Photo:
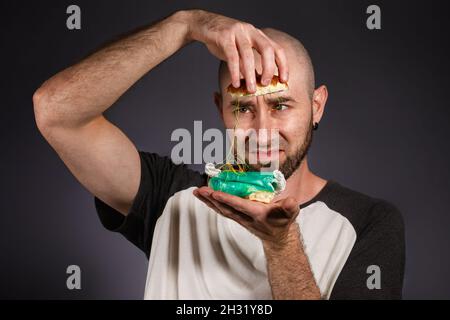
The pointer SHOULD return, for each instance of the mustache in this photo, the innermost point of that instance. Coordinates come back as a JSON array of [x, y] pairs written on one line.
[[263, 139], [265, 150], [271, 146]]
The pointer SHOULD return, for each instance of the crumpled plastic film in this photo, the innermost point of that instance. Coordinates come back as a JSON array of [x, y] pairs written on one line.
[[242, 184]]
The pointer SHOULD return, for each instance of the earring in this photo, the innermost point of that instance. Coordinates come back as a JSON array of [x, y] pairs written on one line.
[[315, 126]]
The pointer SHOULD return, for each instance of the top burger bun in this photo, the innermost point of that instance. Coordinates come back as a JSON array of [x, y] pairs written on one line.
[[275, 86]]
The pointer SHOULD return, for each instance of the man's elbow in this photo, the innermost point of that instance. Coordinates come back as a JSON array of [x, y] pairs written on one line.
[[42, 112], [48, 111]]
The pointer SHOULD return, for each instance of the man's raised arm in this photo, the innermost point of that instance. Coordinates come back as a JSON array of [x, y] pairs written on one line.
[[69, 109], [69, 106]]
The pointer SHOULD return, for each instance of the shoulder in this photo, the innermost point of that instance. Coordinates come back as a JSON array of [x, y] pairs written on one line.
[[363, 211], [175, 176]]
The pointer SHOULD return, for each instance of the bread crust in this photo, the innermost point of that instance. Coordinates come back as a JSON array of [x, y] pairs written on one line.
[[262, 196], [275, 86]]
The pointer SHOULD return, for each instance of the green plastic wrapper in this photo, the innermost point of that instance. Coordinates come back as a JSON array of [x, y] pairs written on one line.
[[242, 184]]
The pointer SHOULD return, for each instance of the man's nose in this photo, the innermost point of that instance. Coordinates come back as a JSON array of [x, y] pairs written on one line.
[[263, 118], [266, 126]]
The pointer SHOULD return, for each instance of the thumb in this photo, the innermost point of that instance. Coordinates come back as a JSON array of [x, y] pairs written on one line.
[[291, 207]]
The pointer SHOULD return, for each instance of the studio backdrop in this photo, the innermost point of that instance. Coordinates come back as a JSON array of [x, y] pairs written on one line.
[[384, 132]]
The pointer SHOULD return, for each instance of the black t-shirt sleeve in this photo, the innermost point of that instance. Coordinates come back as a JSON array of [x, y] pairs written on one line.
[[160, 179], [380, 242]]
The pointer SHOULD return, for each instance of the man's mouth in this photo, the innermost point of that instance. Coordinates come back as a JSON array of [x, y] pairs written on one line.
[[265, 156]]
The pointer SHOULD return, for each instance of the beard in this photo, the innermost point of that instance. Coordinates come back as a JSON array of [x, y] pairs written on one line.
[[293, 161]]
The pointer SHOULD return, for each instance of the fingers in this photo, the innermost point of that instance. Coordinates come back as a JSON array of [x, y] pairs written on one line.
[[205, 200], [262, 220], [232, 56], [243, 205], [273, 57], [204, 194], [281, 60], [290, 207], [267, 52], [232, 213], [248, 62]]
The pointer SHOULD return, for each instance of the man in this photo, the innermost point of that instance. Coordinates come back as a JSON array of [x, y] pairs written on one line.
[[317, 239]]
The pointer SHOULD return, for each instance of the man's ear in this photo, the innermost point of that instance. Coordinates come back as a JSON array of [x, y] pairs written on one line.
[[319, 100], [218, 102]]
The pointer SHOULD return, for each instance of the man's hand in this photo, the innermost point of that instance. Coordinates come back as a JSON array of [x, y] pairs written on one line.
[[289, 272], [233, 41], [269, 222]]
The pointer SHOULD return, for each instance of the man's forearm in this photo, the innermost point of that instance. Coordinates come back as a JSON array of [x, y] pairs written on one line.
[[84, 91], [290, 274]]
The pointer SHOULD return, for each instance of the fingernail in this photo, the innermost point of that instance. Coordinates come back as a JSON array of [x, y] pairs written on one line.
[[266, 81]]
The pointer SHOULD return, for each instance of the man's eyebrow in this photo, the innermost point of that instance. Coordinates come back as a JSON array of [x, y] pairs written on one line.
[[270, 100], [280, 99]]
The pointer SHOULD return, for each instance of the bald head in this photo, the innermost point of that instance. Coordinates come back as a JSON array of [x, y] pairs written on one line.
[[298, 59]]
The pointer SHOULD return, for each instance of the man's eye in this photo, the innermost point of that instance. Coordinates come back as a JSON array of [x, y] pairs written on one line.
[[242, 109], [280, 107]]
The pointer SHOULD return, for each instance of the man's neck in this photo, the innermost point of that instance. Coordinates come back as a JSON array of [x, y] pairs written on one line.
[[302, 185]]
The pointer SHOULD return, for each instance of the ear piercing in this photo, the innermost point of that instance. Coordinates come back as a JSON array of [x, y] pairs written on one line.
[[315, 125]]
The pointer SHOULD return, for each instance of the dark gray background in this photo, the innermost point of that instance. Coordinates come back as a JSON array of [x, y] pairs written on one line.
[[384, 132]]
